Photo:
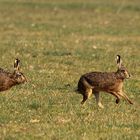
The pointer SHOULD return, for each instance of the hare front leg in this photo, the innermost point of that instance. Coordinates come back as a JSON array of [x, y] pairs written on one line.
[[117, 96], [98, 99], [122, 94]]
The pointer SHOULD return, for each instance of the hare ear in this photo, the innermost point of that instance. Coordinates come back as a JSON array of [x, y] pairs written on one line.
[[119, 61], [16, 64]]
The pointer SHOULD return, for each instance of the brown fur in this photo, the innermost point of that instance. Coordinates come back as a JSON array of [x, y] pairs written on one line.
[[110, 82], [8, 79]]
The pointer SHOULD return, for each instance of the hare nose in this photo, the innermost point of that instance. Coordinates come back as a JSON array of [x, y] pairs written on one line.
[[129, 75], [25, 79]]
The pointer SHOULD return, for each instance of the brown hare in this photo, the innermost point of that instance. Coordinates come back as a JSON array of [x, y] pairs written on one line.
[[110, 82], [8, 79]]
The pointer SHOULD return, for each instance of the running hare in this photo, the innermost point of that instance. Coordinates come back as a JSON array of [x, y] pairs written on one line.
[[8, 79], [110, 82]]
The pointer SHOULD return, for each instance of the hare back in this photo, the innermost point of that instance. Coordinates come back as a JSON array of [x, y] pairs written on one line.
[[3, 72], [5, 81], [100, 81]]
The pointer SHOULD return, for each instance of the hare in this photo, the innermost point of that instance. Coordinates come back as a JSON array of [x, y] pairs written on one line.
[[110, 82], [8, 79]]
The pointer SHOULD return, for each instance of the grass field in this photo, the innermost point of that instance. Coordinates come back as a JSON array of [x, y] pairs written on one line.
[[57, 41]]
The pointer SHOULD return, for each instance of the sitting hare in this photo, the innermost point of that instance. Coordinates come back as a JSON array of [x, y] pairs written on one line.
[[8, 79], [110, 82]]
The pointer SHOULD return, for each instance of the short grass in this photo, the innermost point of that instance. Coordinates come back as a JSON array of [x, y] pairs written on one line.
[[57, 41]]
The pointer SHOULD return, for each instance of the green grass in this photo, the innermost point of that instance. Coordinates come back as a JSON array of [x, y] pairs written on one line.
[[58, 41]]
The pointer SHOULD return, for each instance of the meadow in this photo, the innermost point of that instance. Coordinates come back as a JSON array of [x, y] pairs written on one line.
[[57, 41]]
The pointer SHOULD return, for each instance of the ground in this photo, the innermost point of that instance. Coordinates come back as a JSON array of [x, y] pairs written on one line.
[[57, 41]]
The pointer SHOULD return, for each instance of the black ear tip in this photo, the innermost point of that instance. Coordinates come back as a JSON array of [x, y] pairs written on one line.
[[118, 56], [16, 63], [17, 60]]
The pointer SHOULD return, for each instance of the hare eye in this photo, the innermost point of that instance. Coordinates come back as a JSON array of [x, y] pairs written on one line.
[[123, 70], [18, 74]]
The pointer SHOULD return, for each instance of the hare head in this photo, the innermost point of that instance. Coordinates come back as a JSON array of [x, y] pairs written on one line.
[[122, 71], [9, 79], [17, 75]]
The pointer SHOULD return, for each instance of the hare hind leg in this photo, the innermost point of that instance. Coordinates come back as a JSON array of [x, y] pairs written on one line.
[[86, 94], [96, 94]]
